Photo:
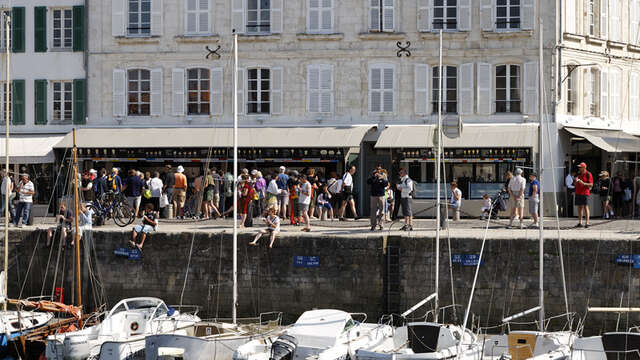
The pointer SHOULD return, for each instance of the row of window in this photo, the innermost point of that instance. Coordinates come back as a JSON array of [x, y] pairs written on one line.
[[261, 17], [603, 19]]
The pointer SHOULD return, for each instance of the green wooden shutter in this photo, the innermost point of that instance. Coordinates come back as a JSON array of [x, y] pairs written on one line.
[[41, 101], [40, 28], [78, 28], [79, 101], [18, 102], [17, 21]]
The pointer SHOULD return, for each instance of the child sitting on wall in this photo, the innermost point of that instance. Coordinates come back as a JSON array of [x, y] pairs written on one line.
[[273, 227]]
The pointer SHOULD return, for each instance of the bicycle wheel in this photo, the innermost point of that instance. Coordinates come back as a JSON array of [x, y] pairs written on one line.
[[96, 219], [123, 215]]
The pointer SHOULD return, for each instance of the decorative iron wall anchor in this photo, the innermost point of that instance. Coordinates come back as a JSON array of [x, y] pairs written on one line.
[[403, 50], [212, 52]]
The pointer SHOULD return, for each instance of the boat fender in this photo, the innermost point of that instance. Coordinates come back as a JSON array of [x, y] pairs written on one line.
[[134, 326]]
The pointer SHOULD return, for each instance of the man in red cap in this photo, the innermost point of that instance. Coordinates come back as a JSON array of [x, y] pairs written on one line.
[[583, 183]]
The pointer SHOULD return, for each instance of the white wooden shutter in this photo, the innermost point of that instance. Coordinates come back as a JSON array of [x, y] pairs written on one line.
[[615, 21], [604, 18], [421, 89], [191, 16], [614, 96], [313, 15], [634, 21], [570, 16], [585, 17], [604, 94], [237, 16], [326, 16], [388, 84], [204, 24], [313, 89], [531, 88], [117, 17], [487, 15], [375, 87], [276, 90], [424, 9], [119, 92], [388, 16], [156, 17], [156, 92], [326, 85], [634, 97], [374, 15], [177, 92], [217, 91], [528, 15], [588, 92], [466, 89], [464, 15], [485, 95], [240, 94], [276, 16]]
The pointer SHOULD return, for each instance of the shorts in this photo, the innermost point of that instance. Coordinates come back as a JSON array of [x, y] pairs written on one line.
[[180, 196], [516, 203], [605, 197], [406, 207], [283, 197], [134, 201], [581, 200], [534, 204], [347, 195], [325, 206], [143, 228], [272, 200], [303, 208]]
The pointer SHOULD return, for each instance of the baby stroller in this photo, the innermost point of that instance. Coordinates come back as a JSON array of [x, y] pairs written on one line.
[[498, 204]]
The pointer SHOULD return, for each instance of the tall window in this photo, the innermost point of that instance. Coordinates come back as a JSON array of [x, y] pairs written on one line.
[[508, 14], [381, 89], [139, 17], [449, 89], [571, 93], [198, 99], [320, 16], [593, 92], [3, 19], [258, 94], [320, 89], [139, 91], [62, 101], [381, 15], [197, 17], [62, 28], [258, 16], [592, 17], [508, 89], [445, 14]]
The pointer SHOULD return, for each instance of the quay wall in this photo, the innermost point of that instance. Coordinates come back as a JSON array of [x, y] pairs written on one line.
[[371, 273]]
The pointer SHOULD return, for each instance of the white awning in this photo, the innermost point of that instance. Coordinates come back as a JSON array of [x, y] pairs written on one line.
[[298, 137], [30, 149], [608, 140], [418, 136]]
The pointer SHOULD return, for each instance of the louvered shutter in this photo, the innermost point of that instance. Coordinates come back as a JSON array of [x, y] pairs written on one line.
[[634, 97], [528, 14], [388, 16], [604, 18], [18, 29], [614, 96], [585, 18], [570, 16], [191, 18], [313, 87], [531, 88], [276, 16], [78, 28], [487, 15], [156, 17], [604, 94], [177, 92], [204, 25], [464, 15], [40, 29], [117, 17], [374, 15], [119, 92], [634, 21], [242, 76], [326, 16], [424, 23], [375, 87], [485, 95], [588, 92], [388, 84], [156, 92], [615, 21], [237, 16], [313, 16], [217, 91], [276, 90], [79, 101], [326, 86], [466, 89], [18, 99], [421, 89], [40, 95]]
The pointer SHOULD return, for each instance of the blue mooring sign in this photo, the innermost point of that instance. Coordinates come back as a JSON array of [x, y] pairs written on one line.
[[306, 261], [131, 254], [628, 259], [466, 259]]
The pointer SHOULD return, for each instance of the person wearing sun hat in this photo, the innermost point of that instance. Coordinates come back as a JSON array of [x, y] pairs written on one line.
[[583, 183], [179, 192]]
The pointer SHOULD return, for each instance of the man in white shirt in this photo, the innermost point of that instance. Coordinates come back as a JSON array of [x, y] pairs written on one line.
[[7, 186], [516, 188], [26, 191], [571, 190], [456, 200], [304, 200], [406, 188], [347, 193]]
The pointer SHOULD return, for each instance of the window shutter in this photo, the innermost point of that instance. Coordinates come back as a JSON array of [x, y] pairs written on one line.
[[588, 91], [326, 85], [242, 81], [177, 92], [388, 16], [388, 84], [604, 25], [374, 15], [40, 29], [424, 9], [464, 15], [615, 20], [17, 26], [313, 87], [604, 94], [326, 16], [156, 92], [191, 15], [634, 21], [528, 15], [40, 101], [276, 16], [614, 96], [119, 92], [466, 89], [634, 97], [217, 89], [485, 103], [117, 17], [205, 14], [79, 101], [531, 88], [156, 17], [237, 16], [570, 16], [78, 28], [18, 102], [487, 15], [313, 16], [421, 88], [585, 17], [276, 90], [375, 85]]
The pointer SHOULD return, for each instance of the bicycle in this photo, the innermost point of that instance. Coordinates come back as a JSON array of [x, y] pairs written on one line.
[[118, 208]]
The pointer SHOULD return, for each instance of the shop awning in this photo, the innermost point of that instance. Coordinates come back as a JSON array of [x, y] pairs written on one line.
[[30, 149], [297, 137], [608, 140], [418, 136]]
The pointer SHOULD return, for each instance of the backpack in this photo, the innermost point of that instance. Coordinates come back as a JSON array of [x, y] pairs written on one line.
[[412, 193], [111, 182]]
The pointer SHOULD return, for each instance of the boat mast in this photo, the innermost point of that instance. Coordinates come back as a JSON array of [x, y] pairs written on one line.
[[75, 221], [540, 170], [7, 24], [438, 159], [235, 176]]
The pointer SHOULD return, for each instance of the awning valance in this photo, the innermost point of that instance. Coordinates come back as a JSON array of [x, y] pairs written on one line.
[[608, 140], [418, 136], [296, 137], [30, 149]]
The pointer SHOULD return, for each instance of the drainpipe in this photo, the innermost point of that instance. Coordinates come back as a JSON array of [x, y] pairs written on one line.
[[86, 60]]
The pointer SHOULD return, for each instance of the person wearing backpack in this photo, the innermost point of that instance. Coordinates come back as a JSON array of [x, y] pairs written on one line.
[[584, 183], [407, 191], [114, 182], [378, 185]]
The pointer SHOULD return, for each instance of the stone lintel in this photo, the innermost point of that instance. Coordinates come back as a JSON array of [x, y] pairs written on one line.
[[320, 37], [382, 36], [501, 35], [197, 39]]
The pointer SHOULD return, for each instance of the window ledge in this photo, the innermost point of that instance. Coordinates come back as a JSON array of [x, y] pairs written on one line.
[[634, 48], [573, 37], [189, 39], [60, 122], [452, 35], [616, 44], [501, 35], [123, 40], [594, 41], [259, 38], [382, 36], [320, 37], [52, 49]]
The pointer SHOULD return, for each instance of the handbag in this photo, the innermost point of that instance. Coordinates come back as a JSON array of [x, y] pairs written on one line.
[[164, 201], [146, 193], [627, 194]]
